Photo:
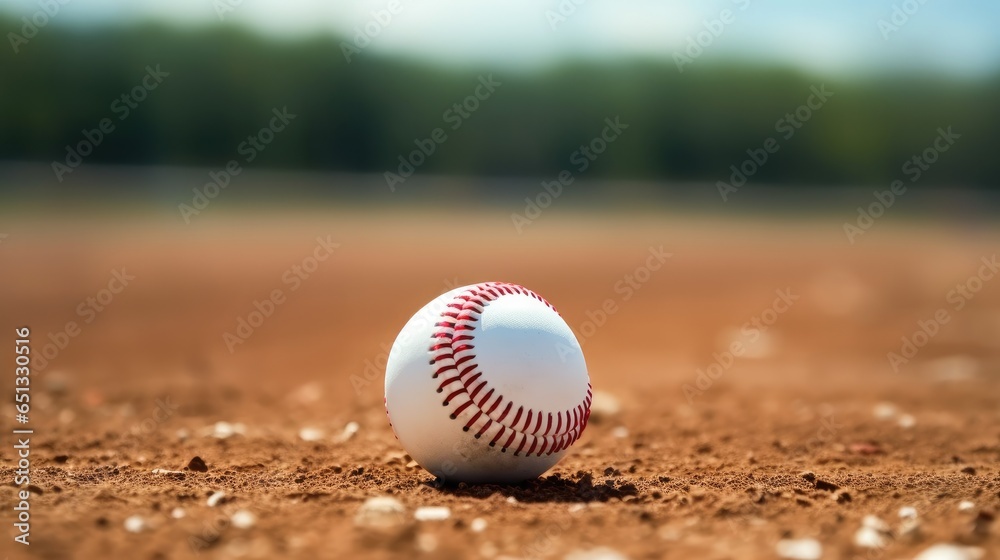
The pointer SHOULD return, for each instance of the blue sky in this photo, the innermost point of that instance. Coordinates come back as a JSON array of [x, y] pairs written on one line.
[[957, 36]]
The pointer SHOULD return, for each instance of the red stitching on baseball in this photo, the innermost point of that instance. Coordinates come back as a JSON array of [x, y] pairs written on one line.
[[450, 352]]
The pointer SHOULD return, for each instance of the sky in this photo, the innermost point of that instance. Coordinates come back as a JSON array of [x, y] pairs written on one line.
[[831, 36]]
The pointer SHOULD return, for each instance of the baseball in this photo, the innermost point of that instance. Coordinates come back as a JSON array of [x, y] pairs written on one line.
[[487, 383]]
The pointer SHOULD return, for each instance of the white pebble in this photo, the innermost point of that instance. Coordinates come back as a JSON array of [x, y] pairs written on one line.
[[950, 552], [178, 513], [873, 522], [349, 431], [215, 498], [601, 553], [135, 524], [243, 519], [906, 421], [311, 434], [511, 500], [885, 411], [432, 514], [604, 405], [966, 505], [867, 537], [907, 512], [224, 430], [478, 525], [799, 549], [620, 432], [380, 511]]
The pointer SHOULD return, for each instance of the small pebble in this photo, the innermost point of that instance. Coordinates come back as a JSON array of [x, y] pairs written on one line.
[[885, 411], [243, 519], [432, 514], [178, 513], [907, 512], [604, 405], [166, 471], [620, 432], [866, 537], [799, 549], [224, 430], [950, 552], [380, 511], [216, 498], [311, 434], [197, 464], [135, 524], [873, 522], [349, 431], [478, 525], [966, 505], [906, 421]]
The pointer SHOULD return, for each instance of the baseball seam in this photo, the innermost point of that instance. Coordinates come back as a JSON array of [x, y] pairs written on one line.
[[453, 354]]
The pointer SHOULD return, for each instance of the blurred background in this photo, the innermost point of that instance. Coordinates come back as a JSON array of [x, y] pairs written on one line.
[[697, 86]]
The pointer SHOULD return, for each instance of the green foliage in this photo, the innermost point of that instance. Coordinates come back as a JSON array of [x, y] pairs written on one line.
[[361, 116]]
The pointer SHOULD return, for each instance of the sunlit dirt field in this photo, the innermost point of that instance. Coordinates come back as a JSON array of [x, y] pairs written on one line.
[[695, 449]]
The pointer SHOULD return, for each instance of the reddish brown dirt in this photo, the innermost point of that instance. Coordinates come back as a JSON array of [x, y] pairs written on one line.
[[719, 476]]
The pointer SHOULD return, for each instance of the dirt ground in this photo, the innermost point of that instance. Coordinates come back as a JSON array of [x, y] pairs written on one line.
[[803, 435]]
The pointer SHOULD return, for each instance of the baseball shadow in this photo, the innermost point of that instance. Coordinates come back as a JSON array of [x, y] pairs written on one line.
[[553, 488]]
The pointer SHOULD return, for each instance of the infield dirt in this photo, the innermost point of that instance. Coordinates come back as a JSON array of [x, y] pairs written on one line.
[[801, 434]]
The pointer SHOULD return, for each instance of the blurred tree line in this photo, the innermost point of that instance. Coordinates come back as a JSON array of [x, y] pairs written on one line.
[[222, 85]]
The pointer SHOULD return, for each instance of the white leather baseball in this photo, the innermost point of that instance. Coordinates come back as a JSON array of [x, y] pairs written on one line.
[[487, 383]]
